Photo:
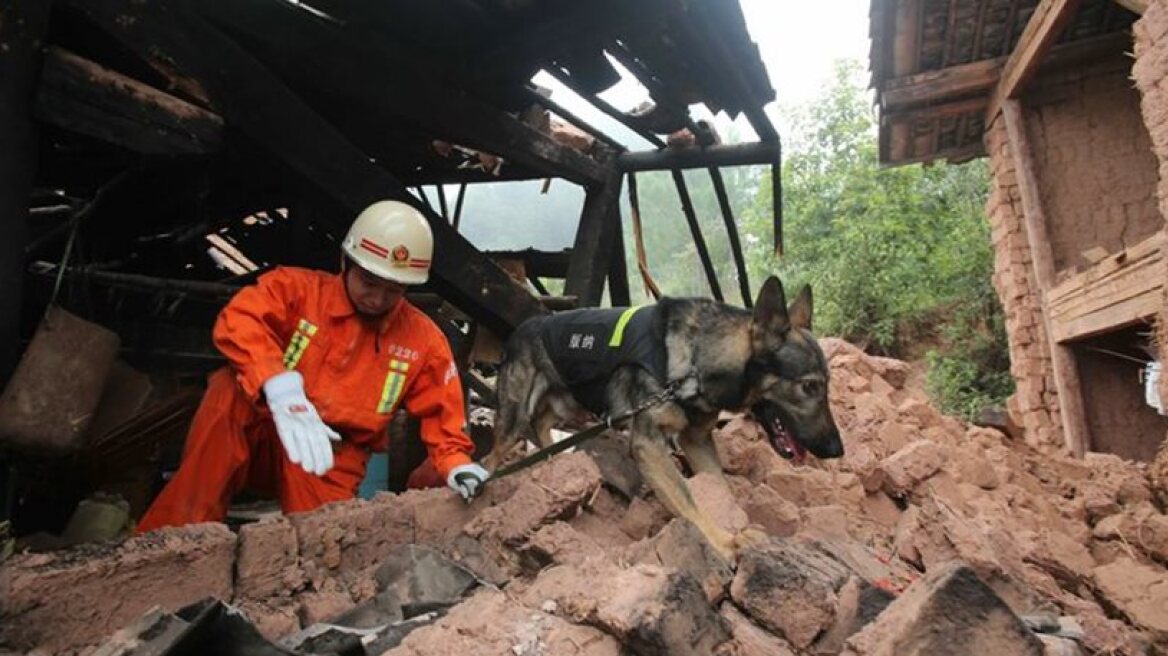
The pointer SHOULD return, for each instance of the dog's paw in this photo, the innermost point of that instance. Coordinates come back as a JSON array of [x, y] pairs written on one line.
[[749, 537]]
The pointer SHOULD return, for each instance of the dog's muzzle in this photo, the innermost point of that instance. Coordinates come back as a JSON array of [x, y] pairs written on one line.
[[790, 446]]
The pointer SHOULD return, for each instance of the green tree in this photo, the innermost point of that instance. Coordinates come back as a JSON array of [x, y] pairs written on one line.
[[899, 258]]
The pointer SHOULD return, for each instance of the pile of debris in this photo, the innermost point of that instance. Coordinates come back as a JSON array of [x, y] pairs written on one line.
[[929, 536]]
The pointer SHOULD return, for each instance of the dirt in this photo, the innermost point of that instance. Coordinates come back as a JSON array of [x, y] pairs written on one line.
[[580, 563]]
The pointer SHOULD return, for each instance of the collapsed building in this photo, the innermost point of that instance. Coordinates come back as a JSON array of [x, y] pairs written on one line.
[[252, 129]]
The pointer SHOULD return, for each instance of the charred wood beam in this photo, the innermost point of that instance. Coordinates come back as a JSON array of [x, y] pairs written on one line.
[[82, 96], [694, 158], [618, 270], [217, 291], [543, 264], [605, 106], [595, 241], [256, 102], [575, 120], [687, 208], [453, 175], [457, 218], [361, 70], [23, 24]]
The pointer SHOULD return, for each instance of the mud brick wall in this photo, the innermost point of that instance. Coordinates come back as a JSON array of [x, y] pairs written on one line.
[[1093, 157], [1149, 74], [1097, 177], [1035, 401]]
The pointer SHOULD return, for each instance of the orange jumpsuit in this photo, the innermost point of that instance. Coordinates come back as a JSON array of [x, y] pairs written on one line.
[[356, 372]]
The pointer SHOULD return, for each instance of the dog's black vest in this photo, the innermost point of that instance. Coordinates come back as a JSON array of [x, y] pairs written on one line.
[[588, 345]]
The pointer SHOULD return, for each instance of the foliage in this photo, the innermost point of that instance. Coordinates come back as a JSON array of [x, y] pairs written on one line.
[[899, 258]]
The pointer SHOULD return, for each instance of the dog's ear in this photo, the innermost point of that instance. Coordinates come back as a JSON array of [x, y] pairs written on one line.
[[800, 310], [770, 309]]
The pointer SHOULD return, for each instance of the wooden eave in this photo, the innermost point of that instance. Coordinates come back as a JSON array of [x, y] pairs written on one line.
[[942, 69]]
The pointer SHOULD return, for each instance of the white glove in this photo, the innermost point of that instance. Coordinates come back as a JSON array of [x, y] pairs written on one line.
[[467, 480], [305, 437]]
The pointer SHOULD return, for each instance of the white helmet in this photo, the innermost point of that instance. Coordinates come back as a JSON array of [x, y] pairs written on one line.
[[391, 240]]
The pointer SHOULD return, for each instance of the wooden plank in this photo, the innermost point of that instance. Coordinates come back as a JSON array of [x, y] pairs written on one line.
[[541, 264], [907, 46], [1128, 312], [23, 25], [83, 96], [1045, 25], [1066, 374], [1135, 282], [254, 101], [1110, 265], [950, 34], [591, 256], [934, 86], [1119, 266], [618, 270]]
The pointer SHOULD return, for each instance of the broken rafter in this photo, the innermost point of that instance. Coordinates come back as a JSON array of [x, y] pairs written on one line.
[[1134, 6], [1045, 25], [331, 61], [606, 107], [257, 103], [575, 120], [591, 257], [85, 97], [691, 219], [693, 158]]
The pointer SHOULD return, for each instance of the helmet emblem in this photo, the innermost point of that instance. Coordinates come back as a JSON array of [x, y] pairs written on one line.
[[401, 255]]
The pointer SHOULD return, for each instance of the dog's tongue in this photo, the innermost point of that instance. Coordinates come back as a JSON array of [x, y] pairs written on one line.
[[787, 445]]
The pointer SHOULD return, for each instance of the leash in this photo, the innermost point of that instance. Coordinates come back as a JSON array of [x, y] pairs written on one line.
[[669, 393]]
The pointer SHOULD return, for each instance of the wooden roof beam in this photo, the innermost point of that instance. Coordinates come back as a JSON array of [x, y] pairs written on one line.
[[1045, 25], [979, 77], [932, 86], [82, 96]]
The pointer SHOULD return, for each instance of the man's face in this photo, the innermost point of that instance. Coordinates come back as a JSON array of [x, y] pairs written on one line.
[[371, 296]]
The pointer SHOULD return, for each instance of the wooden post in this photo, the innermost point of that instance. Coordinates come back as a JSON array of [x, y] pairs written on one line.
[[1066, 375], [22, 28], [618, 270], [595, 238]]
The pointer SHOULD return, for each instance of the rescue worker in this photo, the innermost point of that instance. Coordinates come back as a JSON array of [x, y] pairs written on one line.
[[317, 365]]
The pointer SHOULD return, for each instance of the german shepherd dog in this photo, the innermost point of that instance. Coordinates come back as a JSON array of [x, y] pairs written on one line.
[[715, 356]]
